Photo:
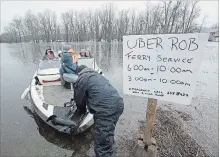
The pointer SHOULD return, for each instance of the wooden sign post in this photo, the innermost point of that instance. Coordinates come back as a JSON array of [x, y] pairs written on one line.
[[150, 120], [161, 67]]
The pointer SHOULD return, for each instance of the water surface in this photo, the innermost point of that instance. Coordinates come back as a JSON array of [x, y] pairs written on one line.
[[23, 134]]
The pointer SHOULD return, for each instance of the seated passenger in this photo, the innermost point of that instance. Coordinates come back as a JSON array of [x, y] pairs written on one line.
[[59, 54], [45, 57], [51, 55], [74, 55], [67, 65], [87, 53], [82, 53]]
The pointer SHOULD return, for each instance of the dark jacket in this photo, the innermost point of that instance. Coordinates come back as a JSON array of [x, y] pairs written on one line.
[[95, 91]]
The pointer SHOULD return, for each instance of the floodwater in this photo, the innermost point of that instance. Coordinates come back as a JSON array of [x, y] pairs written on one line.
[[24, 134]]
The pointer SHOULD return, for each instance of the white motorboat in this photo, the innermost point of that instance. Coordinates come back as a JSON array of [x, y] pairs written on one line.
[[52, 101]]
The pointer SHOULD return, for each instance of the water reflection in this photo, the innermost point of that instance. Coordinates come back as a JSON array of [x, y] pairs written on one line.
[[26, 53], [79, 144], [106, 54], [16, 56]]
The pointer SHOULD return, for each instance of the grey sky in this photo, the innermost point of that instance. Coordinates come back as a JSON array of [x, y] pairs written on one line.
[[11, 8]]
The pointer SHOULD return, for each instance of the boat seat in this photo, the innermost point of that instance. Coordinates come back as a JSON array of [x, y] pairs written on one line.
[[71, 78]]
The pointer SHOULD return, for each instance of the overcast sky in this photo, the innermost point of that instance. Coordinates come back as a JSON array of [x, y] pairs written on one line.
[[11, 8]]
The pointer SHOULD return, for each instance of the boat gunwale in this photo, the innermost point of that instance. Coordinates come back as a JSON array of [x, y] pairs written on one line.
[[63, 129]]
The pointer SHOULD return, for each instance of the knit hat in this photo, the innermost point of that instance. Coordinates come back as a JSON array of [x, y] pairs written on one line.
[[71, 51], [80, 68]]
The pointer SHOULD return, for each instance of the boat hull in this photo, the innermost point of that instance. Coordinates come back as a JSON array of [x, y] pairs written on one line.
[[44, 110]]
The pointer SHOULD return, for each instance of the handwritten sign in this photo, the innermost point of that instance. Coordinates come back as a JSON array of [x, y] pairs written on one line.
[[162, 67]]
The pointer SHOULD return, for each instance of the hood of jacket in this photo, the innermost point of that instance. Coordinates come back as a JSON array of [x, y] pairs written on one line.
[[67, 59], [86, 70]]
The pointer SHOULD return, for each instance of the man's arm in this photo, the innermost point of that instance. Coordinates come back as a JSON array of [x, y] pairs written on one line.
[[80, 95]]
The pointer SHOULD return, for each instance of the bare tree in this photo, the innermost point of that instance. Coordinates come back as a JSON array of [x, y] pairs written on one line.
[[132, 24], [121, 24], [17, 23], [203, 20], [106, 23], [164, 22], [156, 14], [107, 16], [193, 15], [174, 15], [91, 25], [58, 33], [32, 26], [97, 24], [12, 33], [48, 25], [66, 24]]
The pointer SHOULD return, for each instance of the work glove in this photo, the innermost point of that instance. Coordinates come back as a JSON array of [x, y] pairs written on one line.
[[78, 115], [80, 110]]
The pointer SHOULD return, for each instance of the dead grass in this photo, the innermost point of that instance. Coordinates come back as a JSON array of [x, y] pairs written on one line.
[[171, 135]]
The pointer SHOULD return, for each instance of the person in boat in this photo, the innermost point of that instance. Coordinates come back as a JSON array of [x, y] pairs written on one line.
[[104, 102], [67, 65], [60, 54], [87, 53], [74, 55], [49, 49], [46, 56], [82, 53], [51, 55]]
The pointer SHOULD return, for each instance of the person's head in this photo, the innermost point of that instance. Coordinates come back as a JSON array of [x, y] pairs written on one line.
[[80, 68], [87, 53], [51, 53], [82, 53], [67, 59], [71, 51], [59, 53], [48, 50], [65, 48]]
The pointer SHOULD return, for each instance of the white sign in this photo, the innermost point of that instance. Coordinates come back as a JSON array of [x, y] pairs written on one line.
[[163, 66]]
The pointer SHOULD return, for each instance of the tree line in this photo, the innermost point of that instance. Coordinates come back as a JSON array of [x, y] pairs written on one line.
[[106, 23]]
